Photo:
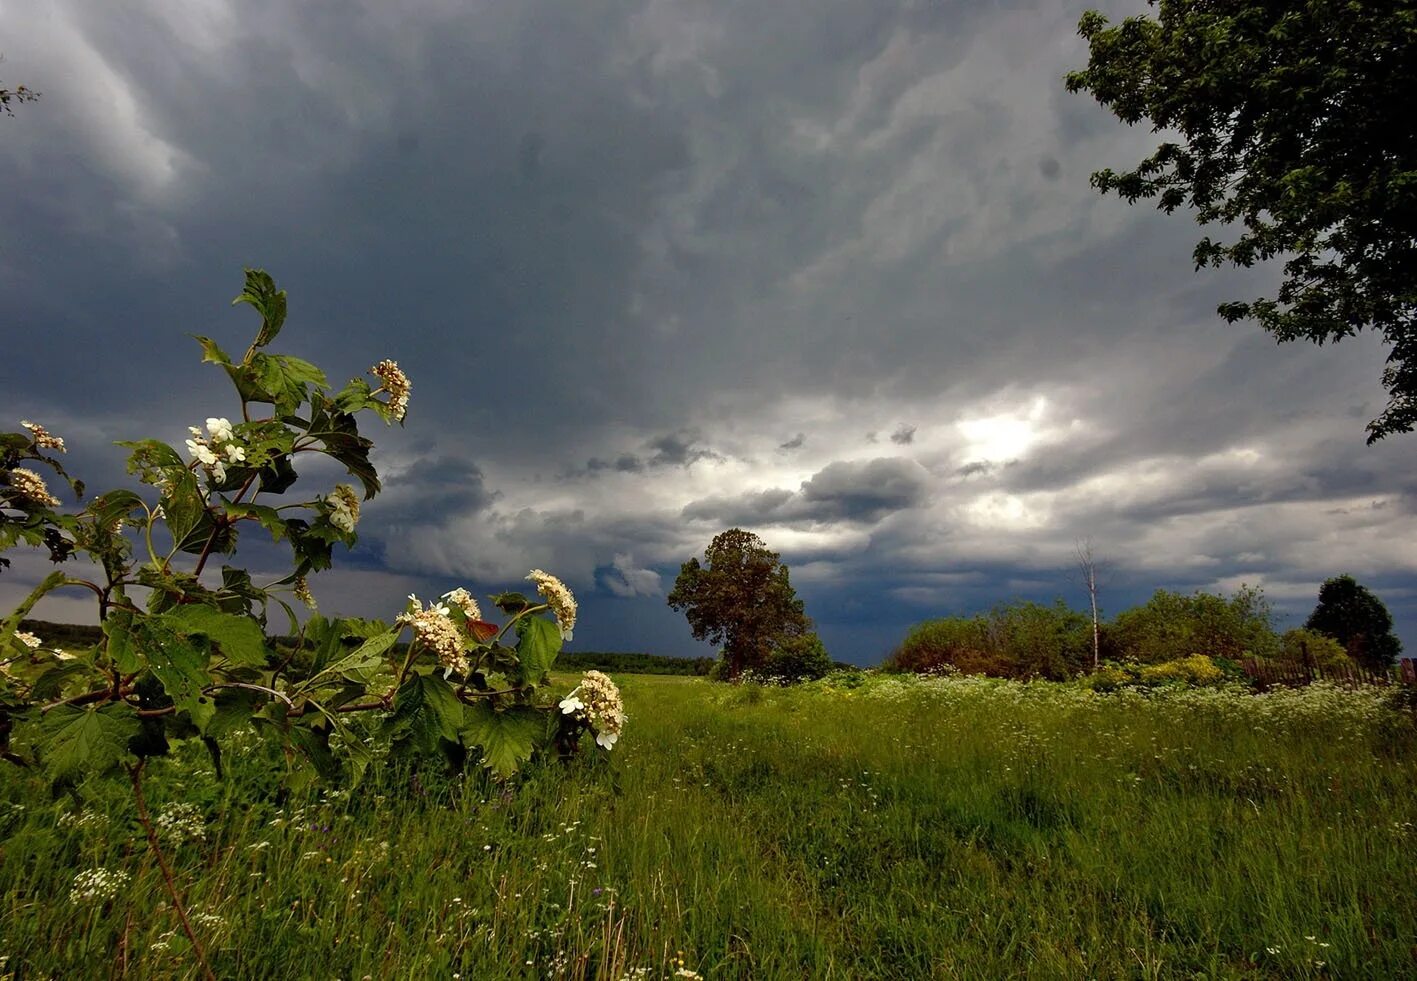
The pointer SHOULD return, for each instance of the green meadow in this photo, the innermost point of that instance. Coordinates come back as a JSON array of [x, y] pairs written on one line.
[[859, 827]]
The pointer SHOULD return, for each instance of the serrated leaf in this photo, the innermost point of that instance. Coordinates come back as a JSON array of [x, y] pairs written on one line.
[[239, 638], [260, 291], [363, 663], [76, 740], [179, 665], [183, 505], [118, 629], [268, 517], [425, 710], [507, 738], [211, 352], [11, 623], [540, 643]]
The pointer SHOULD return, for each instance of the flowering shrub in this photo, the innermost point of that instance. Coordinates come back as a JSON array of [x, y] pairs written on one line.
[[183, 656]]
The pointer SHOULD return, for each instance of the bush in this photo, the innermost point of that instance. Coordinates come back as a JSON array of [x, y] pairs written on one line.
[[1302, 646], [1014, 640], [1194, 671], [959, 642], [797, 658], [1171, 626]]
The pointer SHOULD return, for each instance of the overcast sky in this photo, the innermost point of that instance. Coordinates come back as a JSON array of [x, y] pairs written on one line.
[[828, 271]]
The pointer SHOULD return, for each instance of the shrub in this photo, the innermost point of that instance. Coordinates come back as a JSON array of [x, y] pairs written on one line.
[[1171, 626], [1197, 670], [797, 658], [1302, 646]]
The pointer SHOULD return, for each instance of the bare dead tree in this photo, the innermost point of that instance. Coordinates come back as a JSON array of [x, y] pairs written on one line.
[[1087, 569]]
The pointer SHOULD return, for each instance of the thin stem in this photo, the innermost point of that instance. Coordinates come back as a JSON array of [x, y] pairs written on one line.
[[136, 773]]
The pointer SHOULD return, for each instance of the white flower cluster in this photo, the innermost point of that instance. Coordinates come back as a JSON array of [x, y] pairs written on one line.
[[42, 437], [434, 629], [28, 639], [93, 887], [344, 508], [562, 603], [181, 823], [32, 486], [463, 600], [598, 702], [216, 448], [396, 383]]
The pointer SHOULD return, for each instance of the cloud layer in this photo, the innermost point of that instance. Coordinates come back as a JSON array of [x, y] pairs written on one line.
[[832, 274]]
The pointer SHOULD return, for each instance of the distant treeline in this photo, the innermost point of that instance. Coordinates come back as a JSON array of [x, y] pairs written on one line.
[[633, 663], [64, 635]]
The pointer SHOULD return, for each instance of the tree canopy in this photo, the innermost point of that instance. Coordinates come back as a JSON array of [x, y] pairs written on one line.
[[1352, 615], [1295, 121], [741, 598]]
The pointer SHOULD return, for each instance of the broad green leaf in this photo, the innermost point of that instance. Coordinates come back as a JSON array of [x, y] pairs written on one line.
[[260, 291], [114, 506], [183, 504], [313, 746], [426, 709], [238, 637], [118, 628], [511, 603], [76, 740], [507, 738], [539, 645], [178, 664]]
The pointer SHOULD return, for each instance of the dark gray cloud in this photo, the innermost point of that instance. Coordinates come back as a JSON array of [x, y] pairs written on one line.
[[643, 242]]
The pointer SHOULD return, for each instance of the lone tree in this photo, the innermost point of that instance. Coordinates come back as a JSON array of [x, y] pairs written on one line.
[[1350, 614], [740, 598], [1295, 121]]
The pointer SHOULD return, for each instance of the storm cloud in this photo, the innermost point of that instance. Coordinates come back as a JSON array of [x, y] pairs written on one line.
[[659, 269]]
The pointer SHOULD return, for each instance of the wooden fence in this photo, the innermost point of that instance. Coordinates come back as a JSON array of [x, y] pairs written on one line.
[[1292, 674]]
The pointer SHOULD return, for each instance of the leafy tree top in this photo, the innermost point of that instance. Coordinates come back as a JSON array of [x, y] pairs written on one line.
[[740, 597], [1295, 121], [1352, 615]]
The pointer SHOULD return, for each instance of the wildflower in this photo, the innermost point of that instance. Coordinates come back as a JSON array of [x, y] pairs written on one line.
[[179, 823], [219, 430], [303, 594], [201, 451], [599, 705], [463, 600], [435, 630], [31, 485], [235, 454], [344, 508], [42, 437], [28, 639], [97, 886], [558, 597], [396, 383]]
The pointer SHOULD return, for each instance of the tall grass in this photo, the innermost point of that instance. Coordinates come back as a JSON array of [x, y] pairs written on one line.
[[899, 829]]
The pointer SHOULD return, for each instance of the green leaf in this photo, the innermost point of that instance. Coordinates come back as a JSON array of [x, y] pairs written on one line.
[[114, 506], [511, 603], [183, 504], [238, 637], [268, 517], [540, 643], [507, 738], [269, 302], [75, 740], [426, 709], [178, 664], [118, 628], [211, 352], [11, 623], [363, 663]]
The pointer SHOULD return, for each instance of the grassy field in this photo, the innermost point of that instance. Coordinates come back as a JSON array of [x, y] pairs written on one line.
[[900, 829]]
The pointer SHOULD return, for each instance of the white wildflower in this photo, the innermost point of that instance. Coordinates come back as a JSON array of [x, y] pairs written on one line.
[[396, 383], [179, 823], [42, 437], [303, 594], [235, 454], [28, 639], [219, 429], [598, 702], [463, 600], [344, 508], [435, 630], [558, 597], [97, 886], [32, 486]]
